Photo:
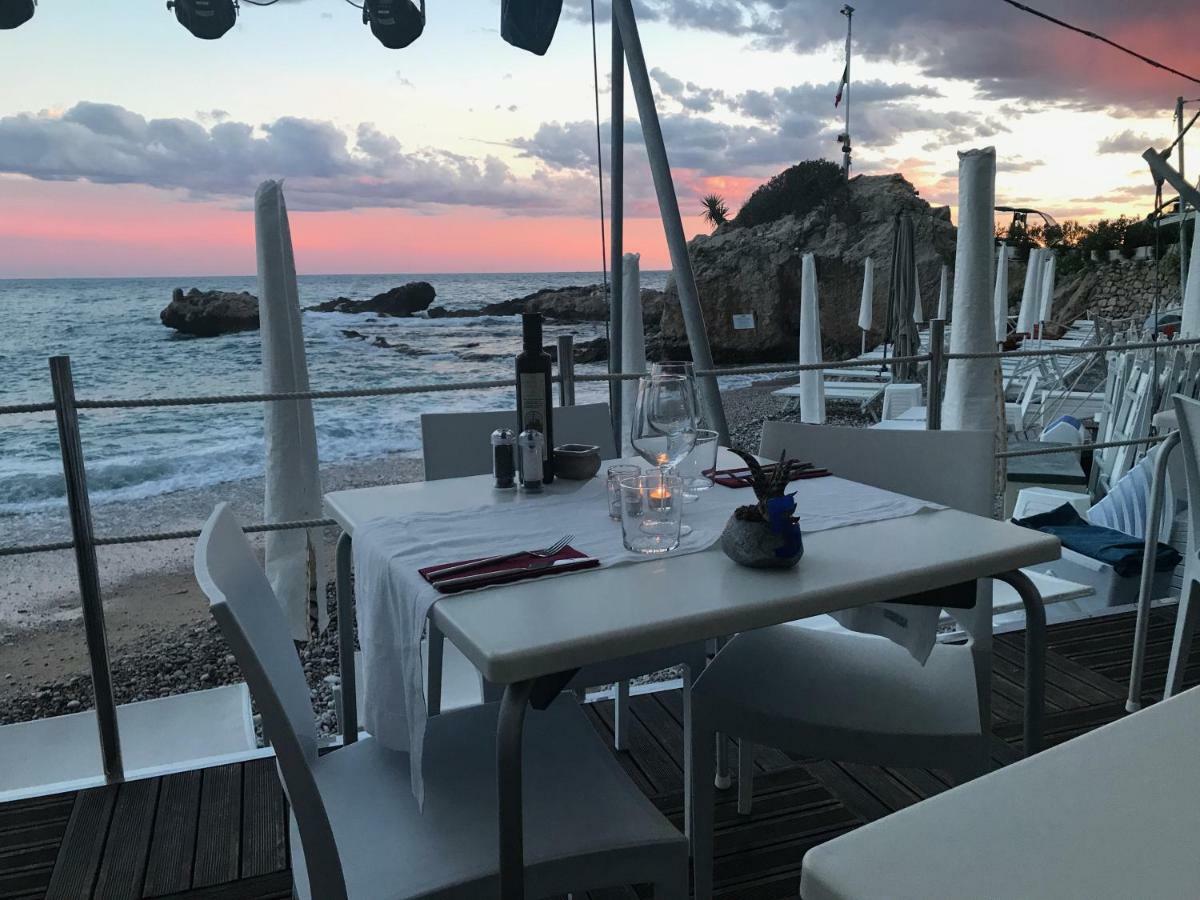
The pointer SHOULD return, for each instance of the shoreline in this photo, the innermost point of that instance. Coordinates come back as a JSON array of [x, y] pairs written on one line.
[[161, 638]]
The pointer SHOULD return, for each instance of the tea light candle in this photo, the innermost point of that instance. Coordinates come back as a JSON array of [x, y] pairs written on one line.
[[660, 497]]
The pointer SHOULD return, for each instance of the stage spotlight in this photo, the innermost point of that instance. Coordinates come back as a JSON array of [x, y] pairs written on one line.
[[397, 23], [16, 12], [206, 19]]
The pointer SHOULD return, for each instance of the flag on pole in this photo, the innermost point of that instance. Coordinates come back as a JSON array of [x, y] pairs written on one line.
[[837, 98]]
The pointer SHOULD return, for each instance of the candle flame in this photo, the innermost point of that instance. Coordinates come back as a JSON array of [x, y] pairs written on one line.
[[663, 459], [660, 493]]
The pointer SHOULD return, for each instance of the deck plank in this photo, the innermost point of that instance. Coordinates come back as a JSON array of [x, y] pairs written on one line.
[[129, 833], [265, 828], [173, 849], [218, 834], [82, 850]]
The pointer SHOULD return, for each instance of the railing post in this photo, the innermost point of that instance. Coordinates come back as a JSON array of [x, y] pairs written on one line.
[[566, 370], [933, 392], [85, 560]]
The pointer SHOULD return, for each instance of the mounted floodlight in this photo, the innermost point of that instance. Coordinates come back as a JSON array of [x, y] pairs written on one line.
[[206, 19], [16, 12], [397, 23], [530, 24]]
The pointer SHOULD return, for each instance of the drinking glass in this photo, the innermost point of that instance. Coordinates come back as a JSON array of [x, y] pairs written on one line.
[[651, 508], [664, 422], [615, 474], [688, 371], [703, 458]]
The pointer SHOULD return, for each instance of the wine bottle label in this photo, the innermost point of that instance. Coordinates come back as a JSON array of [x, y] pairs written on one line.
[[533, 403]]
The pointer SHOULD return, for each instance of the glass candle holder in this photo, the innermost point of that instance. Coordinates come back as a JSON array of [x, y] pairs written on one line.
[[615, 474], [702, 458], [651, 511]]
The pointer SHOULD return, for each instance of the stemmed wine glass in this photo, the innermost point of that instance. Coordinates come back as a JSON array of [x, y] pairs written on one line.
[[664, 423], [688, 371]]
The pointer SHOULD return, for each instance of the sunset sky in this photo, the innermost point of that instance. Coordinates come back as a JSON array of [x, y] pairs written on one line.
[[128, 147]]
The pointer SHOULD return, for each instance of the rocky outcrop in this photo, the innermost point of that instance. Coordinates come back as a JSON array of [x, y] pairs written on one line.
[[566, 304], [399, 302], [210, 313], [756, 271]]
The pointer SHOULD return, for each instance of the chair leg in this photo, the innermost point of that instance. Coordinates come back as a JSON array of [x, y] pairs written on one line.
[[689, 760], [621, 716], [703, 808], [1181, 645], [745, 776]]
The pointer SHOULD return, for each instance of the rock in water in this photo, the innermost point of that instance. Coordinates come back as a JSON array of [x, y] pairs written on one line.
[[210, 313], [400, 302]]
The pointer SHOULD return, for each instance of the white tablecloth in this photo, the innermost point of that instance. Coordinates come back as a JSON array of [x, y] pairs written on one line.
[[394, 600]]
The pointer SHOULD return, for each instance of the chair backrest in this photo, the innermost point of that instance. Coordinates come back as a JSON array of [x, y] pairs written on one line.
[[456, 444], [1187, 411], [252, 621], [953, 468]]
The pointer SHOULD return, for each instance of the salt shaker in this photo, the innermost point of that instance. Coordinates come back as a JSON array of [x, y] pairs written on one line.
[[530, 449], [504, 458]]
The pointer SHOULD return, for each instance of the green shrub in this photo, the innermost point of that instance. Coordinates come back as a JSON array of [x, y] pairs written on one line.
[[815, 183]]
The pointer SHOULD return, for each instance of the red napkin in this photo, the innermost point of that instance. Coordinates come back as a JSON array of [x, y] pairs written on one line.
[[509, 570], [740, 478]]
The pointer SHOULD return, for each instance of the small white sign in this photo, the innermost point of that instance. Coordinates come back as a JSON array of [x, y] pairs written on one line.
[[743, 322]]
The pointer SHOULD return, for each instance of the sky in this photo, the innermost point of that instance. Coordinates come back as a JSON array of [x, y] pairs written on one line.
[[129, 147]]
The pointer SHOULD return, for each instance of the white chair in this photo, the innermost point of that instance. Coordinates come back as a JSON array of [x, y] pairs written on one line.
[[1188, 413], [456, 444], [1016, 414], [853, 697], [356, 829], [899, 397]]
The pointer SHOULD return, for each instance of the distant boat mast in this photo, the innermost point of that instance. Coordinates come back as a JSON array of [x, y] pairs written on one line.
[[844, 137]]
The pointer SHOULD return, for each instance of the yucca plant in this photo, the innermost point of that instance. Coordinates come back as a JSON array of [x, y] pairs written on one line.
[[715, 212], [768, 485]]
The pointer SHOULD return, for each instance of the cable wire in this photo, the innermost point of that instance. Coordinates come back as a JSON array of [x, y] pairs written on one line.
[[1102, 39]]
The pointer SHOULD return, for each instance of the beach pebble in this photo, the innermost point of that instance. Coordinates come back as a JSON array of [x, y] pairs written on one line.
[[73, 704]]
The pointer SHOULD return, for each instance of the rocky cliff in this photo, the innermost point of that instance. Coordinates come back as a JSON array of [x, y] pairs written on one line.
[[210, 313], [756, 271]]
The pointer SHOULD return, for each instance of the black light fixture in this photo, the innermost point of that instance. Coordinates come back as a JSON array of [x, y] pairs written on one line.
[[206, 19], [530, 24], [16, 12], [397, 23]]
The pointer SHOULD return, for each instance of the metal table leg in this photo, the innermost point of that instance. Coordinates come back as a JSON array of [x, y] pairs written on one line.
[[509, 731], [345, 608], [1035, 656], [1153, 515]]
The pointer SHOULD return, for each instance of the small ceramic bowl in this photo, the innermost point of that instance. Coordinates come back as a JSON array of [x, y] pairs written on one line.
[[576, 462]]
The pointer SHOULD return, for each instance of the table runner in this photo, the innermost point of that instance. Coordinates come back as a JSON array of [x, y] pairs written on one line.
[[393, 600]]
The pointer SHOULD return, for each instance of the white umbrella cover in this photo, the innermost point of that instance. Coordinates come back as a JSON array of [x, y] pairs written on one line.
[[812, 384], [866, 307], [1030, 296], [1190, 324], [1001, 297], [633, 344], [943, 312], [293, 483], [971, 384], [1048, 261], [918, 303]]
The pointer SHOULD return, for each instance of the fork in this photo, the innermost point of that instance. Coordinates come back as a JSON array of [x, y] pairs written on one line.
[[554, 548]]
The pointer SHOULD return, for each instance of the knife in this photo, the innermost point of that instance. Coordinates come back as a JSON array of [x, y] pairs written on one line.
[[535, 566]]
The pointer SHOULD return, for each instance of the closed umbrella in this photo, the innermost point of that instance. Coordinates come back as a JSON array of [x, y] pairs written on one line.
[[943, 312], [1001, 295], [866, 306], [293, 483], [633, 344], [972, 384], [1189, 325], [901, 332], [1048, 260], [812, 384], [918, 302], [1030, 296]]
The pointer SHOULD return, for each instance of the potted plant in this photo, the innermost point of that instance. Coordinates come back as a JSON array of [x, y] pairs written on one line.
[[765, 534]]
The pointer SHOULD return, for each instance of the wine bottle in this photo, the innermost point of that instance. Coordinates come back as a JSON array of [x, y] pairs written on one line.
[[533, 390]]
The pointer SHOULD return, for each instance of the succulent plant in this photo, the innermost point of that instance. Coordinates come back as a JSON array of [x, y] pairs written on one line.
[[768, 484]]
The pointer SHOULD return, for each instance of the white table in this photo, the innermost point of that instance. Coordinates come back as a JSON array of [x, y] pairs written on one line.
[[1111, 814], [532, 636]]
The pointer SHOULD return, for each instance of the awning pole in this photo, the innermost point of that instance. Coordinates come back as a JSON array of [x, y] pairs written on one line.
[[668, 206], [616, 176]]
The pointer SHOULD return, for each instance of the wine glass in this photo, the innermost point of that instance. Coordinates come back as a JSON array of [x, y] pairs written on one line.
[[664, 423], [688, 371]]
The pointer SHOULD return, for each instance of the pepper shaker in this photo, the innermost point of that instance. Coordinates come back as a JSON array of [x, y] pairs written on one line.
[[504, 458]]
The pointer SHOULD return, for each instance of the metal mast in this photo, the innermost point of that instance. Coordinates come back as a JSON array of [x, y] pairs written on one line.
[[848, 12], [1183, 245]]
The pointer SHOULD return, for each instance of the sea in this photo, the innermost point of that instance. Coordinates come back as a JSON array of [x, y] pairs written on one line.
[[110, 329]]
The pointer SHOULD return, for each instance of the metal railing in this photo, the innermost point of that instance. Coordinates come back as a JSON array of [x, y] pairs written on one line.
[[84, 541]]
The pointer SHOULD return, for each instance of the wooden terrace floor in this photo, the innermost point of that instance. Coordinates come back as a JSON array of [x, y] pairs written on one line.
[[222, 833]]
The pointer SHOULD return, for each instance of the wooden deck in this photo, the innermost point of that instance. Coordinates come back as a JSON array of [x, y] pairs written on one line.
[[221, 832]]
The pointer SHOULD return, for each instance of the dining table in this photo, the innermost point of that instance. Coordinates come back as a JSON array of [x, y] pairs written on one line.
[[532, 636]]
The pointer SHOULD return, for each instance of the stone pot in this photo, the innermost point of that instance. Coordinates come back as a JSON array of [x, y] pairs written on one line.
[[754, 544]]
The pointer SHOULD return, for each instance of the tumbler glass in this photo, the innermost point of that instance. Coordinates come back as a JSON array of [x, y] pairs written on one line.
[[651, 509], [615, 474]]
